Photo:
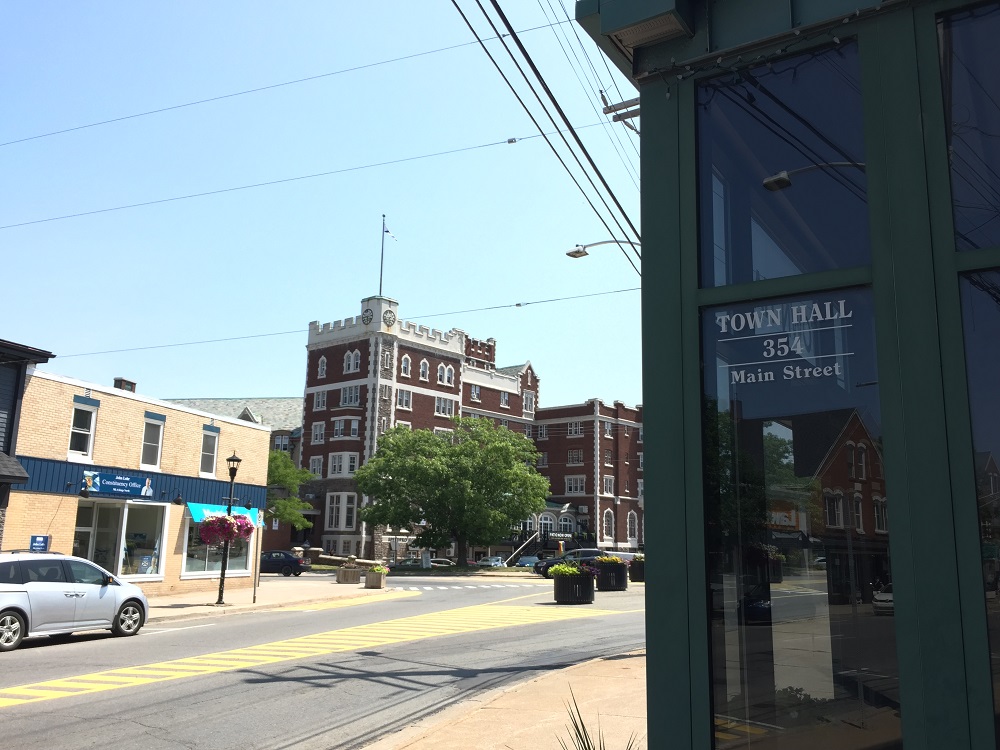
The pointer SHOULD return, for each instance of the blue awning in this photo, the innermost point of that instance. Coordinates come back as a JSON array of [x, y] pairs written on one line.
[[201, 511]]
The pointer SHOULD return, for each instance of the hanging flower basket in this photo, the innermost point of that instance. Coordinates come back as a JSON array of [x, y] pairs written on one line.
[[219, 529]]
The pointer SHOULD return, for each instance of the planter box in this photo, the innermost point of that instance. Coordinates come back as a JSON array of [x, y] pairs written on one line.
[[574, 589], [374, 580], [637, 571], [349, 575], [612, 576]]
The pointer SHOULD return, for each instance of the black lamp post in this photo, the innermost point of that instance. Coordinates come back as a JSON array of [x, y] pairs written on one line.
[[234, 465]]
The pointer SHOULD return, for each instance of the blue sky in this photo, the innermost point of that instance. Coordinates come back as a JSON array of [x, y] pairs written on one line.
[[485, 226]]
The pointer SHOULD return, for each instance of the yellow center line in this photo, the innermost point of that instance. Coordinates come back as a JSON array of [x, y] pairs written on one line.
[[416, 628]]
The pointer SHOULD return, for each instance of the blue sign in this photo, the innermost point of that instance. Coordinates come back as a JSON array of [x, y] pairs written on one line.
[[117, 484], [201, 511], [39, 543]]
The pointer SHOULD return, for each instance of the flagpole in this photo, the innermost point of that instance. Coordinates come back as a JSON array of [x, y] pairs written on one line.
[[381, 263]]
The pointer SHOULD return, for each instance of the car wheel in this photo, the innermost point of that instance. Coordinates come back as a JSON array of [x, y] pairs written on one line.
[[11, 631], [545, 573], [128, 620], [286, 571], [298, 573]]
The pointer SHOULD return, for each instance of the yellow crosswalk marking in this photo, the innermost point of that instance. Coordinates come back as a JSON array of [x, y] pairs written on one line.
[[419, 627]]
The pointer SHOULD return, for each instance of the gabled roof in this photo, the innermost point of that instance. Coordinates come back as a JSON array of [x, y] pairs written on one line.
[[280, 413], [11, 471], [11, 352], [514, 369]]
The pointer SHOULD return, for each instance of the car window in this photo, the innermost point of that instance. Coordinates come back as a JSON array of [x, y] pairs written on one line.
[[43, 571], [887, 589], [84, 573], [10, 572]]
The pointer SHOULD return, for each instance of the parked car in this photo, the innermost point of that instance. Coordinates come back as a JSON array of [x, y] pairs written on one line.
[[53, 594], [527, 561], [577, 555], [755, 606], [882, 601], [414, 563], [495, 561], [286, 563], [819, 563]]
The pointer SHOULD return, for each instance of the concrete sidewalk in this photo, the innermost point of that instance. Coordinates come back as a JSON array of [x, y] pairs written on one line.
[[532, 715]]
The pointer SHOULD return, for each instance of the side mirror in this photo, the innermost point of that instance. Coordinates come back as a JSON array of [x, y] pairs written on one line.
[[107, 580]]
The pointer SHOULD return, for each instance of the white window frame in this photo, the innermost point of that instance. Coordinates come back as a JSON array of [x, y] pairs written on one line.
[[425, 370], [159, 446], [543, 432], [609, 524], [576, 485], [608, 485], [318, 433], [407, 425], [639, 439], [640, 487], [528, 403], [384, 391], [443, 406], [350, 395], [475, 392], [342, 464], [354, 427], [608, 432], [215, 453], [319, 401], [546, 523], [340, 513], [862, 461], [632, 525], [608, 457], [316, 466], [440, 374], [574, 457], [504, 400], [836, 504], [449, 375], [527, 429], [404, 399], [543, 459], [566, 525], [321, 368], [639, 454], [881, 516], [89, 453], [404, 366], [387, 360], [859, 519], [574, 429], [282, 442]]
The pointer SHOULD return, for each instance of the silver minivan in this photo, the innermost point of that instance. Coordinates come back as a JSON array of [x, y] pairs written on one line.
[[52, 594]]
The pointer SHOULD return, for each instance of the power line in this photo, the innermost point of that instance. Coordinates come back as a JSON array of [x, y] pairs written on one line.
[[300, 331], [256, 90], [537, 125], [272, 182], [562, 115]]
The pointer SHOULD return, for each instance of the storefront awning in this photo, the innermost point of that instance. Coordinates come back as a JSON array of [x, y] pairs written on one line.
[[201, 511]]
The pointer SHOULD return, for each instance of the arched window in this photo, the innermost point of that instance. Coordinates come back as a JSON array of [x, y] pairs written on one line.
[[321, 368], [357, 360], [566, 524], [546, 523], [609, 525], [633, 525], [347, 362], [862, 458], [528, 524], [425, 370], [404, 367], [449, 375], [850, 460], [440, 373]]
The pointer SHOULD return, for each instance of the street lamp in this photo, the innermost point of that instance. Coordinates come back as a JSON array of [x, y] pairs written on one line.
[[581, 250], [783, 179], [234, 465]]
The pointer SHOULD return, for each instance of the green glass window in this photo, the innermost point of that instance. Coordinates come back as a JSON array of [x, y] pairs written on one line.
[[972, 108], [782, 187]]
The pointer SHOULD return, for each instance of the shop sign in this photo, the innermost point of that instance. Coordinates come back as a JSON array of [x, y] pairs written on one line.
[[39, 543], [107, 483]]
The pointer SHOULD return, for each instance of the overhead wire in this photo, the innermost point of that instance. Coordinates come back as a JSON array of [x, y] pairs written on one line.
[[301, 331], [611, 132], [538, 75], [256, 90], [275, 182], [539, 127]]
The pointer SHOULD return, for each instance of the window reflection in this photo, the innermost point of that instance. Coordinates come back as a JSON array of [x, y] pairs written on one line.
[[781, 163], [972, 108], [981, 321], [797, 525]]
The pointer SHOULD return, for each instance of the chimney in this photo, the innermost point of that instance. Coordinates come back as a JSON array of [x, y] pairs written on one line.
[[125, 385]]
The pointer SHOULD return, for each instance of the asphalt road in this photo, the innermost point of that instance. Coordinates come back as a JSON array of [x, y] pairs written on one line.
[[322, 677]]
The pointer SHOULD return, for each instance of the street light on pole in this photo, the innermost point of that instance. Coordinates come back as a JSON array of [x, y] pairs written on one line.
[[783, 179], [234, 465], [581, 250]]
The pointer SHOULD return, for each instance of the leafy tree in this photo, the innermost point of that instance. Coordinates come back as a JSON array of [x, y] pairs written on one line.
[[470, 486], [283, 480]]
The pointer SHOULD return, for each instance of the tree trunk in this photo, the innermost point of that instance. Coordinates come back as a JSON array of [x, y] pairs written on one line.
[[462, 549]]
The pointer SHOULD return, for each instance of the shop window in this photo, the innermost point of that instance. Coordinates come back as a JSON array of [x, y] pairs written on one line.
[[200, 557], [143, 534]]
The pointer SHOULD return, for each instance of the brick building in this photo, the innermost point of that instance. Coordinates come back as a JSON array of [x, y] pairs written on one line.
[[374, 371], [124, 480]]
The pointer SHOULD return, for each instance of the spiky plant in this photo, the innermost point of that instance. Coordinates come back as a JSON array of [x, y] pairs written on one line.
[[580, 735]]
